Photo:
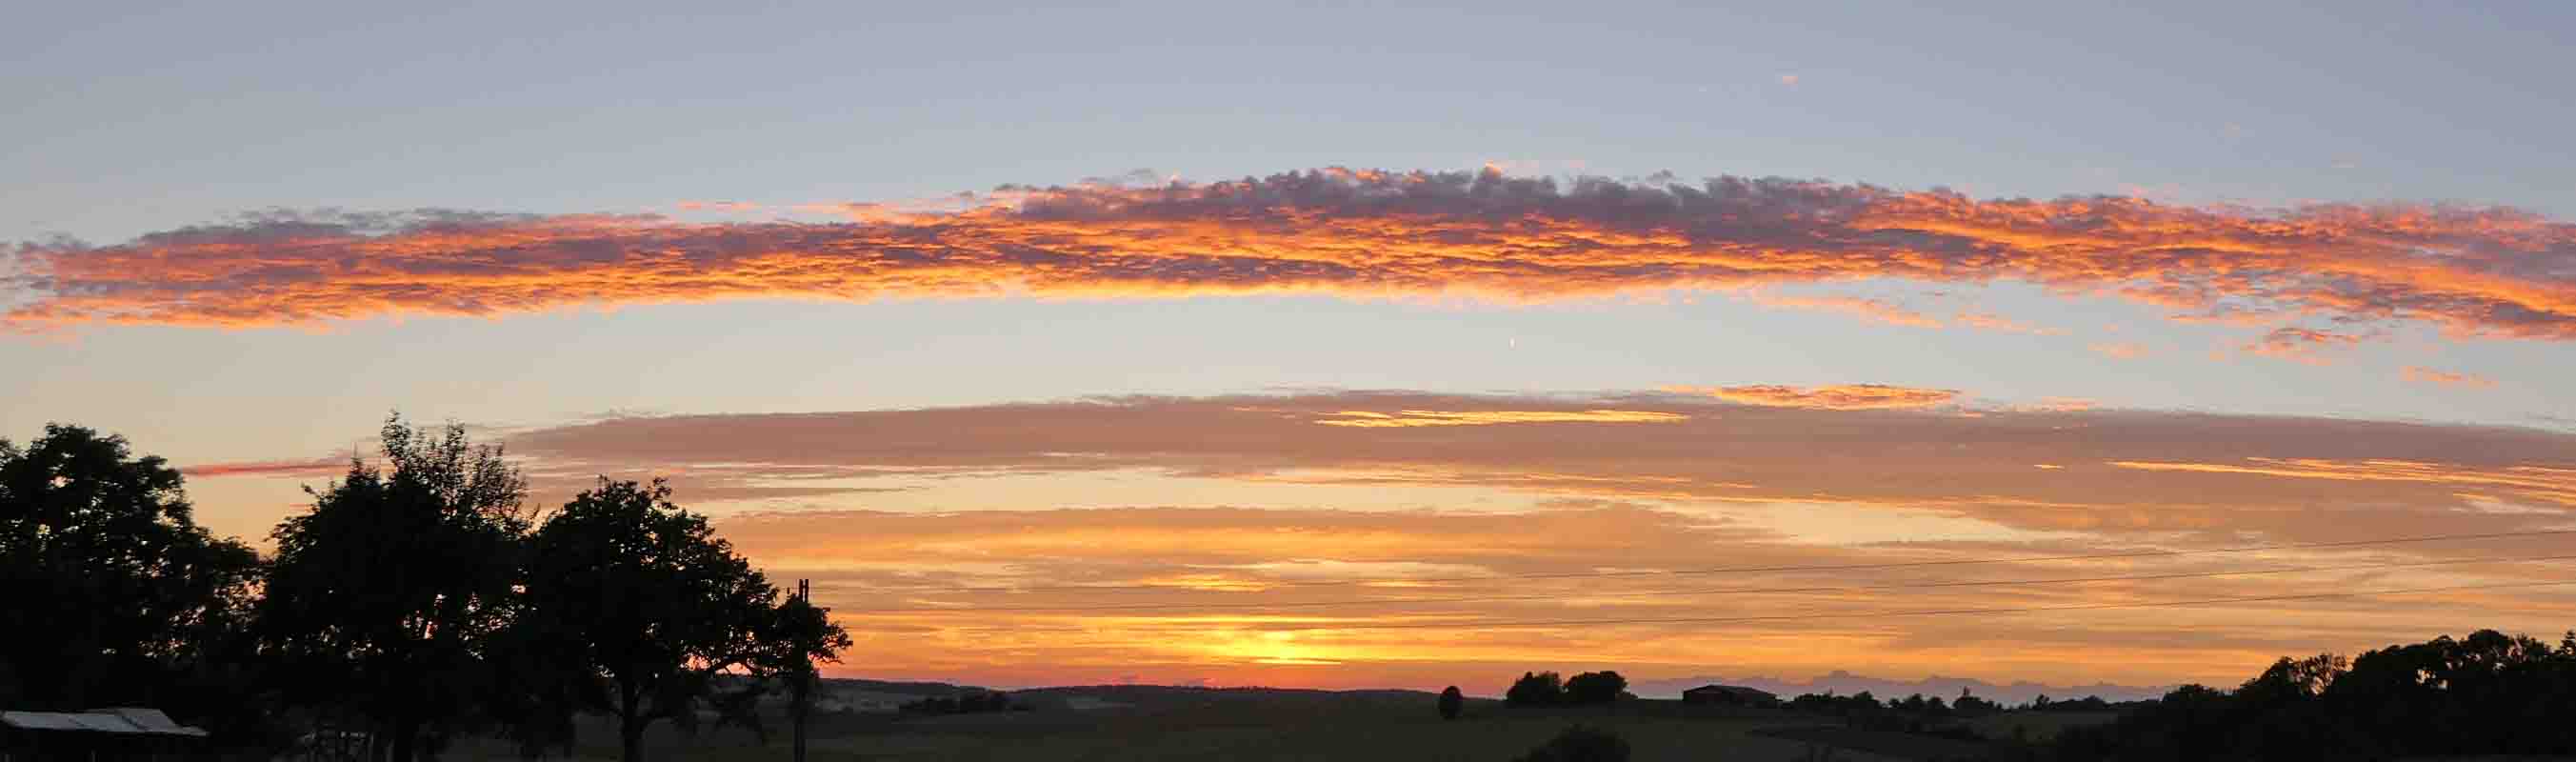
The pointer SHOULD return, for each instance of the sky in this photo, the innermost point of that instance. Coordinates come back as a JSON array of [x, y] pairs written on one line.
[[1361, 346]]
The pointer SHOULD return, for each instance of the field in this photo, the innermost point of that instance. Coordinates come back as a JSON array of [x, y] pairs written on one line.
[[2036, 726], [1187, 724]]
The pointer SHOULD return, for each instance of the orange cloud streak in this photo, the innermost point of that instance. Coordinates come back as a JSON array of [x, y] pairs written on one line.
[[1840, 397], [2548, 483], [1374, 420], [1878, 310], [1348, 233], [2121, 350], [2426, 375]]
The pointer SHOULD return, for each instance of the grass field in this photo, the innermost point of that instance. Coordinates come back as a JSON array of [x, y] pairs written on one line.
[[1182, 724], [2037, 727]]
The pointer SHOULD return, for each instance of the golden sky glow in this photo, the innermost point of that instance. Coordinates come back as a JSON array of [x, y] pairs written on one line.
[[948, 535]]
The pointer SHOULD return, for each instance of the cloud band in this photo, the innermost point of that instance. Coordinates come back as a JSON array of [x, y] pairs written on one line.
[[1355, 234]]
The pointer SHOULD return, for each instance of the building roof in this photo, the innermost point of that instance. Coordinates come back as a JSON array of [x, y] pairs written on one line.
[[121, 720]]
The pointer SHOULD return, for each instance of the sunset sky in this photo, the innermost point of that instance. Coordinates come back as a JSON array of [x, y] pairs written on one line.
[[1344, 346]]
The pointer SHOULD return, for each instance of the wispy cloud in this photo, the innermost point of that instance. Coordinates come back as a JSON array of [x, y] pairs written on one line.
[[2307, 345], [1994, 322], [2552, 484], [2424, 375], [718, 206], [1348, 233], [2121, 350], [1876, 310], [1845, 445], [1409, 418], [1837, 397]]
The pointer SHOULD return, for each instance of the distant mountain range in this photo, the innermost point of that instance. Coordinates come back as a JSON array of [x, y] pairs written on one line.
[[1845, 683], [1839, 682]]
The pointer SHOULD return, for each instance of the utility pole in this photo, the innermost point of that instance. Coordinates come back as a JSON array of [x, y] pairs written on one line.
[[802, 687]]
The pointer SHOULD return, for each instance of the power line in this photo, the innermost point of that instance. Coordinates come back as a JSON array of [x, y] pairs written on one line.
[[1477, 625], [1766, 569], [1695, 592]]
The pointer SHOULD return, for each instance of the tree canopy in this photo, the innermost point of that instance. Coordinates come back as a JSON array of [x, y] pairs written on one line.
[[1535, 689], [643, 608], [2485, 694], [114, 594], [1601, 687], [388, 594]]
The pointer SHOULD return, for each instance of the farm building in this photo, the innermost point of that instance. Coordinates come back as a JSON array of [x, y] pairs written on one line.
[[1734, 695], [97, 735]]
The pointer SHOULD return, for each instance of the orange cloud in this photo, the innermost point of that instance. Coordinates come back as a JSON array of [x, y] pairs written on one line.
[[2306, 345], [1994, 322], [2426, 375], [2553, 484], [1839, 397], [1367, 419], [1878, 310], [1348, 233]]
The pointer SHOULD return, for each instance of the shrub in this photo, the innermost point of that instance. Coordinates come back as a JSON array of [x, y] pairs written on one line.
[[1536, 689], [1595, 687]]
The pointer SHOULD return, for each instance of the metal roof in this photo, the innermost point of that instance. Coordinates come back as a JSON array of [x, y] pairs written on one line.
[[39, 721], [122, 720], [151, 720]]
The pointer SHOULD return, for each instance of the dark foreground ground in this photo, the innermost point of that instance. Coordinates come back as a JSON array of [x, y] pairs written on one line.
[[1153, 723], [1147, 723]]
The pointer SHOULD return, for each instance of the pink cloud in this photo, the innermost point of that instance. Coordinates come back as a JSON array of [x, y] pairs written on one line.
[[2121, 350]]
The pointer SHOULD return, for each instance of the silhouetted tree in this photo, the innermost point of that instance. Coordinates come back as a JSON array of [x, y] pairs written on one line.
[[644, 608], [387, 596], [1969, 704], [2487, 694], [1536, 689], [1451, 702], [1595, 687], [1580, 744], [110, 591], [802, 635]]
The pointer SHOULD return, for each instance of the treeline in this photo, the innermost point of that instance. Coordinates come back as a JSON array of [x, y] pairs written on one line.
[[2487, 694], [970, 702], [1917, 705], [1548, 689], [1915, 713], [418, 599]]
